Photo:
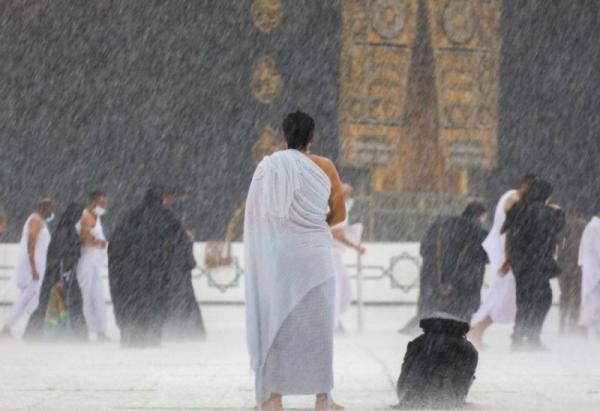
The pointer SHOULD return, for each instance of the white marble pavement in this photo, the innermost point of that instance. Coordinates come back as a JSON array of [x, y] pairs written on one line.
[[214, 374]]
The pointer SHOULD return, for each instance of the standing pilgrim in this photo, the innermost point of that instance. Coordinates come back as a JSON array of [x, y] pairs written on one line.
[[293, 200], [92, 262], [346, 236], [31, 263], [589, 259], [142, 253], [532, 229], [570, 278], [63, 254], [500, 305], [184, 318]]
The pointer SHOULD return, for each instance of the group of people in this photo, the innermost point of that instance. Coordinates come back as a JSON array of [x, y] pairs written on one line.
[[526, 247], [149, 261], [295, 231], [296, 197]]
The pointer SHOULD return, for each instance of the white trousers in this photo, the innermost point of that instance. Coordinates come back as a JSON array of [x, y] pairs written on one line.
[[590, 309], [92, 293], [25, 303]]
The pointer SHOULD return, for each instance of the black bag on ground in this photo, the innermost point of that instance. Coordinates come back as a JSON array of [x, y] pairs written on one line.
[[439, 366]]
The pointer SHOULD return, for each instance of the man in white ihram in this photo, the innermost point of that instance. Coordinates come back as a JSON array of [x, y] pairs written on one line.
[[589, 260], [93, 260], [500, 305], [294, 199], [31, 263], [346, 236]]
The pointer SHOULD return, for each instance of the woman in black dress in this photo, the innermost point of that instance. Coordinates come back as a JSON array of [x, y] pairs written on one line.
[[63, 254]]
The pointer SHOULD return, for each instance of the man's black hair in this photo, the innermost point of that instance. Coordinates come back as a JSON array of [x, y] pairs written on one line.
[[298, 128]]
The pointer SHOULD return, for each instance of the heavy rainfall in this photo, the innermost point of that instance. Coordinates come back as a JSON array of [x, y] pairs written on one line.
[[316, 204]]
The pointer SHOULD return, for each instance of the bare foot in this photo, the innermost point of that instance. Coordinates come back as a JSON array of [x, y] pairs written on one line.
[[323, 404], [275, 403]]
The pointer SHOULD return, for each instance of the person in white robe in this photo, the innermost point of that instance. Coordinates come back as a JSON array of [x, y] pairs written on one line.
[[347, 236], [31, 264], [500, 304], [293, 200], [589, 260], [92, 263]]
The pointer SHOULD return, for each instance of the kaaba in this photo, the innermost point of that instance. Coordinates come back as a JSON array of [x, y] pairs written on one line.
[[424, 105]]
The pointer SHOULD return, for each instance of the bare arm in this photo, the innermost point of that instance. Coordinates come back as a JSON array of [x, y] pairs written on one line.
[[87, 224], [340, 235], [35, 226], [337, 206]]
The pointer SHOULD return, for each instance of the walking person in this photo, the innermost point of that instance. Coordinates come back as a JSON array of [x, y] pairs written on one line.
[[31, 263], [500, 303], [92, 263], [142, 253], [589, 260], [347, 236], [532, 228], [570, 278], [63, 254]]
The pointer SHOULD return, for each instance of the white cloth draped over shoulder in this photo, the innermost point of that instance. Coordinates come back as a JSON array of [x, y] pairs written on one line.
[[500, 303], [288, 249], [589, 260], [21, 277]]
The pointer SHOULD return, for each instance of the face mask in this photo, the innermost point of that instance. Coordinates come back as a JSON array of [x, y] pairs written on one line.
[[349, 204], [50, 218], [99, 211], [482, 220]]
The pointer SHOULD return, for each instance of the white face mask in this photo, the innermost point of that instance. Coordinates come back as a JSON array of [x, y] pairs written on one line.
[[349, 204], [99, 211]]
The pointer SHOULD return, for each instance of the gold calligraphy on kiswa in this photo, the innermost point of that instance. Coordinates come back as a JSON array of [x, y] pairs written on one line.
[[266, 14], [266, 81]]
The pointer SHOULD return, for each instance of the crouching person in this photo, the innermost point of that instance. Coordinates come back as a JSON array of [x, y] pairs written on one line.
[[439, 366]]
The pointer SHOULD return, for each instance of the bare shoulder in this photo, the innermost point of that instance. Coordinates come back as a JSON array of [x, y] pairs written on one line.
[[36, 223], [36, 220], [513, 199], [326, 164], [87, 218]]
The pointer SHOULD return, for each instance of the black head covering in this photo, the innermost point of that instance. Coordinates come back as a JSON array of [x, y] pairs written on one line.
[[539, 192], [474, 210], [70, 217], [154, 196]]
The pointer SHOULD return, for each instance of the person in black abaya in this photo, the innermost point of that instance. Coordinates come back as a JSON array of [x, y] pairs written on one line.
[[141, 254], [453, 266], [532, 228], [63, 255], [184, 318]]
